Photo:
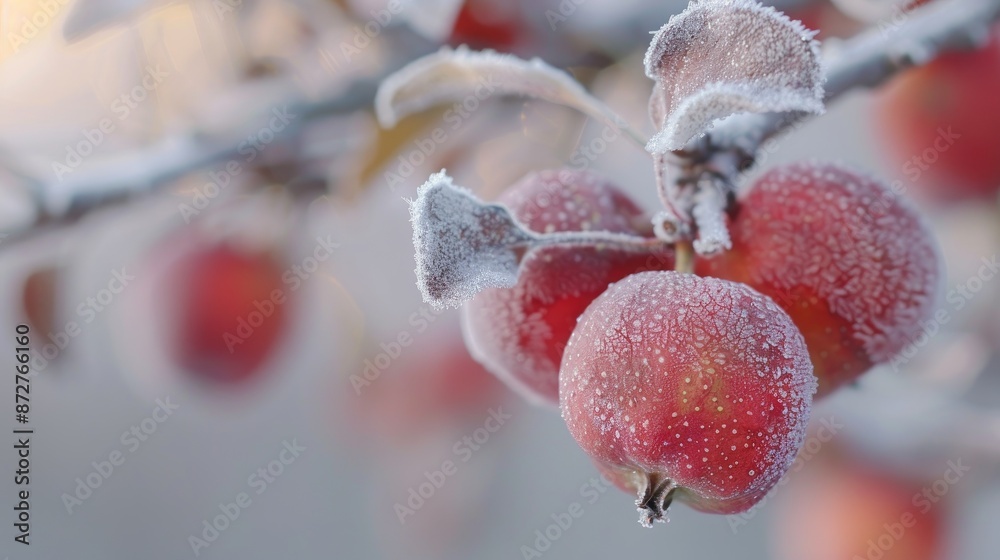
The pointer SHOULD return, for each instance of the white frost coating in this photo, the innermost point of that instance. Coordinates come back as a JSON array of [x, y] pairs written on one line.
[[722, 57], [451, 75], [462, 244], [709, 215]]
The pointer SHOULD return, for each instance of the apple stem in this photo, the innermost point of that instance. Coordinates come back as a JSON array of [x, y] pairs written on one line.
[[684, 257], [655, 499]]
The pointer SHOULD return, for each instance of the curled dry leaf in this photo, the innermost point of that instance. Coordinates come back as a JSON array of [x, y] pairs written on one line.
[[463, 245], [451, 75], [722, 57]]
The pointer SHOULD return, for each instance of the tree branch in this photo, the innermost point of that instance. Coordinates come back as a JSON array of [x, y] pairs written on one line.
[[117, 178]]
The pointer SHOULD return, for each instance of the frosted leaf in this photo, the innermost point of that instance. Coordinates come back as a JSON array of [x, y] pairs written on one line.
[[463, 245], [722, 57], [453, 75]]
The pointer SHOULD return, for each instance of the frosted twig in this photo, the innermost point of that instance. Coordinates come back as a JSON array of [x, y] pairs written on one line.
[[143, 170], [865, 60], [871, 58]]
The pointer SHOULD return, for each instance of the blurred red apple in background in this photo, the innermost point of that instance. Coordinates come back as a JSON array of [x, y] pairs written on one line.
[[837, 508], [232, 311], [38, 297], [941, 123], [487, 24], [433, 386]]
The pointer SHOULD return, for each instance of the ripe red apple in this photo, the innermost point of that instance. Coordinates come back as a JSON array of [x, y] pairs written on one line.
[[38, 296], [941, 124], [848, 259], [840, 509], [231, 312], [685, 387], [520, 333]]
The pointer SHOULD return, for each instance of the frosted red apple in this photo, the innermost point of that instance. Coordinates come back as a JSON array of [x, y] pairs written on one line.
[[848, 259], [520, 333], [688, 388]]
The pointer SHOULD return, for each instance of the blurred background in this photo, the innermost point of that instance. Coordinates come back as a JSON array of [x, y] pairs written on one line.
[[206, 232]]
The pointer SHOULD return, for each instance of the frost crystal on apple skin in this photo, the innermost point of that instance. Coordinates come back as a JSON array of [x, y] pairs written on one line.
[[462, 244], [451, 75], [722, 57]]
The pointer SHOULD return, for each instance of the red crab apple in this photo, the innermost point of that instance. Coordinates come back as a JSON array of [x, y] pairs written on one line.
[[843, 509], [685, 387], [487, 24], [520, 333], [941, 123], [228, 320], [38, 296], [848, 259]]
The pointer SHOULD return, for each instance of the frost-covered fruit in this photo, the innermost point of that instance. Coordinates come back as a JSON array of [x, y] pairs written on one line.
[[842, 509], [941, 123], [849, 260], [520, 333], [231, 312], [687, 388]]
